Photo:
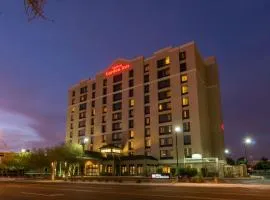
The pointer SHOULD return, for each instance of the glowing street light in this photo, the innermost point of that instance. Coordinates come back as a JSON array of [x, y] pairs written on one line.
[[248, 140], [23, 150], [85, 140], [227, 151], [177, 130]]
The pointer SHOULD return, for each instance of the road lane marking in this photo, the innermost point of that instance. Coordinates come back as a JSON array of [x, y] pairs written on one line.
[[40, 194]]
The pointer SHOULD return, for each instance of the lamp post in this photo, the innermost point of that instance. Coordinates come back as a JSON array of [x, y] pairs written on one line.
[[227, 151], [247, 141], [177, 130]]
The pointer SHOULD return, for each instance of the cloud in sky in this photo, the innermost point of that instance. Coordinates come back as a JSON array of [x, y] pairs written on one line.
[[16, 130]]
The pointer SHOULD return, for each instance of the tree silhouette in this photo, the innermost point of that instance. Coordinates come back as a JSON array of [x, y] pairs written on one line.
[[35, 9]]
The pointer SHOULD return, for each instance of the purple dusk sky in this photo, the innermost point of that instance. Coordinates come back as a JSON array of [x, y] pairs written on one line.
[[40, 60]]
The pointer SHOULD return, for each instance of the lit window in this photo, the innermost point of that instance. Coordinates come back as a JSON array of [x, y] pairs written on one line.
[[131, 102], [167, 60], [160, 107], [131, 134], [148, 143], [184, 78], [184, 89], [73, 109], [185, 101], [104, 109]]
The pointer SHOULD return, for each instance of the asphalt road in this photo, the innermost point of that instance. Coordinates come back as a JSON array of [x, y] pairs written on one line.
[[65, 191]]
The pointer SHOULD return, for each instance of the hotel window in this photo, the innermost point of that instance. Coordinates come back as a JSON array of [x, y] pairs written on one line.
[[163, 62], [93, 95], [164, 106], [81, 132], [185, 101], [104, 109], [182, 55], [131, 113], [103, 128], [83, 106], [123, 169], [93, 104], [73, 109], [72, 101], [147, 143], [164, 130], [146, 99], [185, 114], [163, 73], [117, 96], [188, 152], [186, 127], [117, 106], [147, 121], [184, 78], [104, 138], [93, 112], [165, 118], [147, 110], [104, 100], [71, 117], [132, 169], [130, 124], [71, 135], [92, 130], [81, 123], [83, 90], [164, 95], [187, 140], [131, 83], [184, 89], [166, 154], [83, 98], [146, 78], [146, 88], [163, 84], [117, 78], [82, 115], [116, 126], [130, 145], [71, 126], [73, 93], [146, 68], [104, 91], [104, 82], [147, 132], [117, 116], [140, 169], [117, 136], [165, 142], [103, 119], [131, 102], [130, 93], [93, 86], [131, 73], [117, 87], [92, 121], [183, 67], [131, 134]]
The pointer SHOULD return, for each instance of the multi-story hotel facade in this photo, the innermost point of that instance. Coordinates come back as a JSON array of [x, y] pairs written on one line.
[[166, 106]]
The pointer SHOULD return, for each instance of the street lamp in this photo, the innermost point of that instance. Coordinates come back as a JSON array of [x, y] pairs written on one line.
[[23, 150], [247, 141], [177, 130], [227, 151]]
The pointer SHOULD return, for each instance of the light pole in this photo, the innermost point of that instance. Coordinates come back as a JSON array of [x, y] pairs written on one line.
[[247, 141], [85, 141], [177, 130]]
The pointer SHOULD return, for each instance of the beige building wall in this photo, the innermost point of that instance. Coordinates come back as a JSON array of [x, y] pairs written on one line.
[[204, 107]]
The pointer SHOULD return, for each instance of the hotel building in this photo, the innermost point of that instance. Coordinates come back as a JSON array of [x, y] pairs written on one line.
[[166, 107]]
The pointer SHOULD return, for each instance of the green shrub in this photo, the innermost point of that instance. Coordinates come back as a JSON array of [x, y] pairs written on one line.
[[188, 172]]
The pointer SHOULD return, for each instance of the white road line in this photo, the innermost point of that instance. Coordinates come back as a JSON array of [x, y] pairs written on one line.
[[44, 195]]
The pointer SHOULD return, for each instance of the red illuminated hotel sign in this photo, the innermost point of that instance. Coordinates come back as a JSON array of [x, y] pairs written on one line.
[[116, 69]]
